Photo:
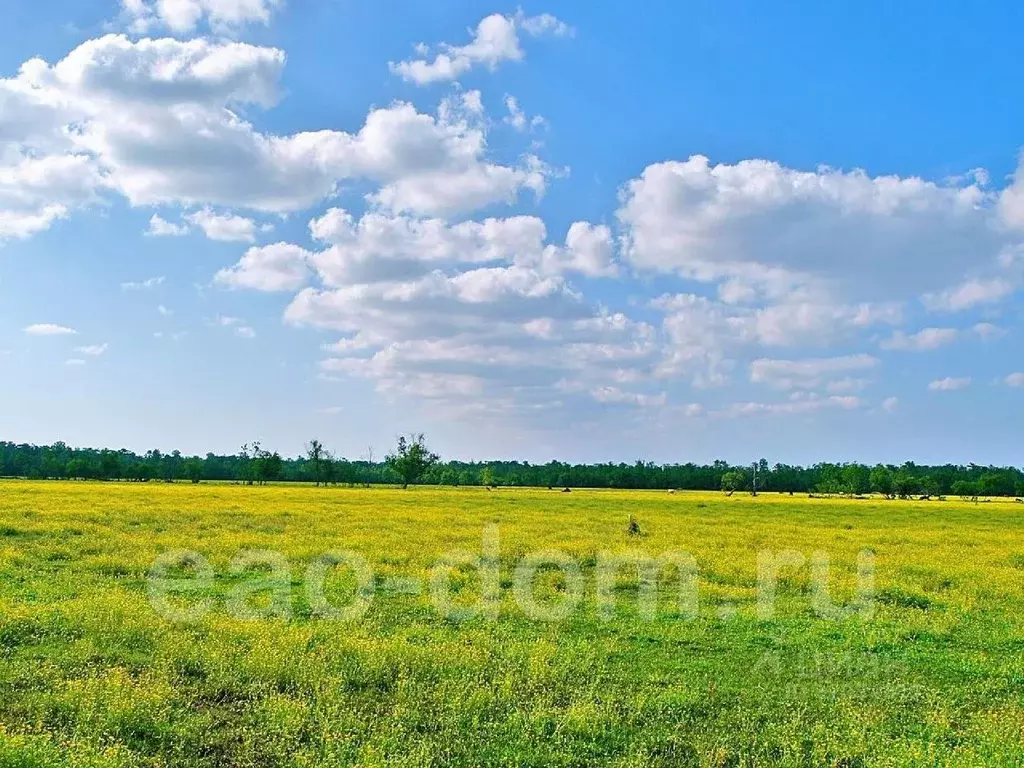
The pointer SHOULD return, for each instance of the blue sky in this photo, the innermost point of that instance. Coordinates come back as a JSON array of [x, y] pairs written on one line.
[[567, 231]]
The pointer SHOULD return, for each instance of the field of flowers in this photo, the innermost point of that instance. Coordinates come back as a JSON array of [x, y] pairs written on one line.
[[225, 625]]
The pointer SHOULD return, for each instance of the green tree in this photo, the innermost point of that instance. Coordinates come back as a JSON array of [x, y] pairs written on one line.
[[881, 481], [487, 476], [110, 465], [315, 456], [904, 483], [733, 480], [411, 459], [856, 479], [194, 469], [966, 490]]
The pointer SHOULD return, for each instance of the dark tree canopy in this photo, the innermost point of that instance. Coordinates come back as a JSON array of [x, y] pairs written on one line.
[[411, 459], [60, 461]]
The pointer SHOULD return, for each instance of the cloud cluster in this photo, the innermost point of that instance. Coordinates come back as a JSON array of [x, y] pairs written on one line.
[[760, 230], [159, 122], [222, 16], [496, 39], [432, 292]]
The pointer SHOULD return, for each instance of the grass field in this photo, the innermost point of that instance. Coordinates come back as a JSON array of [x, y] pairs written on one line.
[[92, 674]]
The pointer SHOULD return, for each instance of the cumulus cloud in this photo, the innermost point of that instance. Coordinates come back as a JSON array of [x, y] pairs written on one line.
[[612, 395], [159, 121], [517, 118], [890, 404], [809, 373], [924, 340], [702, 336], [93, 349], [968, 294], [276, 267], [160, 227], [988, 331], [495, 40], [36, 191], [766, 230], [386, 248], [949, 384], [223, 16], [513, 337], [142, 285], [49, 329], [810, 404], [1014, 380], [227, 227]]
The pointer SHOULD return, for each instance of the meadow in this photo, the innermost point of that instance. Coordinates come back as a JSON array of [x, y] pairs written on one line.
[[94, 673]]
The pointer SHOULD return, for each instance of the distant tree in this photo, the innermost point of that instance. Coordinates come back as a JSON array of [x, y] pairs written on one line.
[[996, 484], [487, 477], [904, 483], [248, 456], [930, 485], [881, 481], [411, 459], [856, 479], [78, 469], [733, 480], [966, 490], [315, 456], [269, 466], [830, 479], [194, 469], [328, 468], [110, 465]]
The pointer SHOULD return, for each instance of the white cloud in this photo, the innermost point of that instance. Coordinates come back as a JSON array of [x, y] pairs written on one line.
[[74, 361], [589, 249], [613, 395], [949, 384], [276, 267], [227, 227], [810, 404], [513, 338], [495, 39], [142, 285], [92, 349], [160, 227], [159, 121], [891, 404], [383, 248], [988, 331], [245, 332], [1014, 380], [969, 294], [703, 335], [927, 339], [49, 329], [517, 118], [846, 384], [164, 310], [809, 373], [36, 191], [223, 16], [805, 235]]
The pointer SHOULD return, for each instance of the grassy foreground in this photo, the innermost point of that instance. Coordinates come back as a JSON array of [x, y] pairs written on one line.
[[92, 675]]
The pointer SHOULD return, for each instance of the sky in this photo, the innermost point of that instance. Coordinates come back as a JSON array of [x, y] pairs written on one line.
[[583, 231]]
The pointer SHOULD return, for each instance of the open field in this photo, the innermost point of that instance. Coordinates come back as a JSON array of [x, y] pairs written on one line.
[[92, 673]]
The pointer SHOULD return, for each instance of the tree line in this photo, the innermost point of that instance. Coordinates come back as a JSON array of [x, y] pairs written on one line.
[[412, 462]]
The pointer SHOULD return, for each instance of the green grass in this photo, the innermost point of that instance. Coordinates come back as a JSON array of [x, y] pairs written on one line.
[[91, 675]]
